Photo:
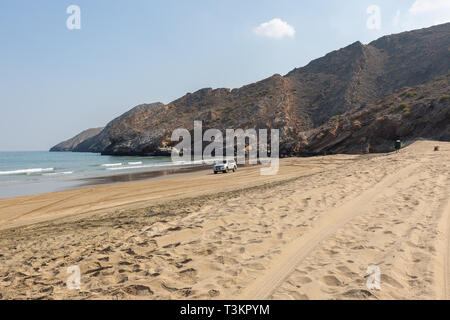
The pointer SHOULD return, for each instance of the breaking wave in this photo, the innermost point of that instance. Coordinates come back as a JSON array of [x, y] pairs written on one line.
[[165, 164], [26, 171], [111, 165], [58, 173]]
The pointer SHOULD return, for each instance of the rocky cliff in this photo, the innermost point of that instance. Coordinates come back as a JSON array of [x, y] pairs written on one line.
[[416, 112], [120, 129], [71, 144]]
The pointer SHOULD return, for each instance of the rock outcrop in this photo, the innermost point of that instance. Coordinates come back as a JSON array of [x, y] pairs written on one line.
[[418, 112], [119, 129], [71, 144]]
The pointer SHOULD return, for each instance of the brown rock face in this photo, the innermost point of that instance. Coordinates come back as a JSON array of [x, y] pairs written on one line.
[[347, 101], [120, 130], [418, 112], [71, 144]]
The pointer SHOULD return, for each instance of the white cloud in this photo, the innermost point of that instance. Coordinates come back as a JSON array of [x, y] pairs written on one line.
[[276, 29], [423, 13], [432, 11], [427, 6]]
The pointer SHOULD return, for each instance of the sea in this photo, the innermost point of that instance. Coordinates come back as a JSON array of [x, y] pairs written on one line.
[[36, 172]]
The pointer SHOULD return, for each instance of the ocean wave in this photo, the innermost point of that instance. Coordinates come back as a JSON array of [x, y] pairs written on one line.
[[111, 165], [165, 164], [58, 173], [129, 168], [26, 171], [134, 163]]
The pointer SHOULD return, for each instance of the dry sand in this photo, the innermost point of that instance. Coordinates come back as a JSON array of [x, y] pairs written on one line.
[[308, 233]]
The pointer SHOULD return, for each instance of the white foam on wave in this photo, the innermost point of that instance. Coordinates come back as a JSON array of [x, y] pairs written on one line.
[[135, 163], [129, 168], [165, 164], [58, 173], [26, 171], [111, 165]]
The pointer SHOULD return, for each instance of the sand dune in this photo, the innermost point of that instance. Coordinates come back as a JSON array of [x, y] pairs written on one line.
[[308, 233]]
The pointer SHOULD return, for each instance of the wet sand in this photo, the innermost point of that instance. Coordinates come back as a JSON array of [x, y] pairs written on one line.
[[139, 176]]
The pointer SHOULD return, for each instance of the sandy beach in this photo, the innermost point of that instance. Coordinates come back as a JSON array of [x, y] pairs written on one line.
[[309, 232]]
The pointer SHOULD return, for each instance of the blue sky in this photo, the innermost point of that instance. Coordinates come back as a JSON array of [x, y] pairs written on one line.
[[56, 82]]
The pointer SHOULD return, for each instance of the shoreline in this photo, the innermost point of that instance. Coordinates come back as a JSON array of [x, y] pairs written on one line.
[[138, 176], [16, 189], [97, 196], [28, 188]]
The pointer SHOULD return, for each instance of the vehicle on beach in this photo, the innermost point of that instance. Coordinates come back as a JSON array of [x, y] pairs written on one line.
[[225, 166]]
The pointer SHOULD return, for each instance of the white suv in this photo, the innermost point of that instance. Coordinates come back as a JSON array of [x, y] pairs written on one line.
[[225, 166]]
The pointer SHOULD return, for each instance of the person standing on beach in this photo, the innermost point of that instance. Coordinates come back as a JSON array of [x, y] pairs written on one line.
[[398, 146]]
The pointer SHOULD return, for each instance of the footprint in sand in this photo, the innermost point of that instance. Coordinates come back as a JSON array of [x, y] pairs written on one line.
[[256, 266], [214, 293], [358, 294], [391, 281], [121, 278], [301, 280], [190, 273], [138, 290], [347, 272], [332, 281]]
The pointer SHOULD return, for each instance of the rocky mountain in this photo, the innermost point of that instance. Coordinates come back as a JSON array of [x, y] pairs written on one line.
[[121, 125], [313, 106], [71, 144]]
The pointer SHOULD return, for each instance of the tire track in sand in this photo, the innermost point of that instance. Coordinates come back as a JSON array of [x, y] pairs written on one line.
[[263, 287]]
